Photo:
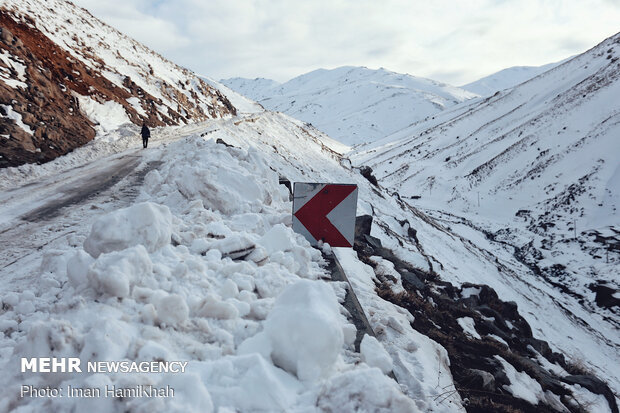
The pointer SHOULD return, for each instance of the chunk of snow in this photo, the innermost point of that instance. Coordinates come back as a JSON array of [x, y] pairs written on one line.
[[521, 384], [116, 272], [250, 383], [172, 309], [212, 306], [375, 355], [77, 268], [366, 390], [278, 238], [147, 224], [468, 326], [305, 329]]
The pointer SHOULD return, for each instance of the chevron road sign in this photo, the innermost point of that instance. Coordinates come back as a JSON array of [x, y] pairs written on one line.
[[325, 212]]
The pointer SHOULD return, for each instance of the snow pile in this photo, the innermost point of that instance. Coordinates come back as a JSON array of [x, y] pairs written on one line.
[[202, 268]]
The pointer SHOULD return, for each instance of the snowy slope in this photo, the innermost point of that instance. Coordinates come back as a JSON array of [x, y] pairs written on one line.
[[532, 171], [66, 76], [507, 78], [353, 104]]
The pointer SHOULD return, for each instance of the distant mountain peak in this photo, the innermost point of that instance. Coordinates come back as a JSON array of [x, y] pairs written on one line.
[[353, 104], [507, 78]]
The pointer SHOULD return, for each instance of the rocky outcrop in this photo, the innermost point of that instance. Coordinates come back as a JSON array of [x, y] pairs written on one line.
[[499, 337]]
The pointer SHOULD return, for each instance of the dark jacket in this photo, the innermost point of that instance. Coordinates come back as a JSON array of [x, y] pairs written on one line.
[[145, 132]]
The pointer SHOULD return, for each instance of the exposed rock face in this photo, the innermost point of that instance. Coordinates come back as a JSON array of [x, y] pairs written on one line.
[[503, 337], [57, 62]]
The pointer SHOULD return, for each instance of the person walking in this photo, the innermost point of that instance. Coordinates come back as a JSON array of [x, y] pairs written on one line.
[[146, 134]]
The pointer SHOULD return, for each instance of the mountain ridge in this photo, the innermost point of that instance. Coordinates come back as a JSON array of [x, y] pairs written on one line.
[[508, 78], [353, 104]]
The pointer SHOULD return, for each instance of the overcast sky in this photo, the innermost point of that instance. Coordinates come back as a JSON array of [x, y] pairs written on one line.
[[455, 41]]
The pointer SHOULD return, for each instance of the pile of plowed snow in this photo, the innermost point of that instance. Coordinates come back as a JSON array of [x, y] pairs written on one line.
[[203, 268]]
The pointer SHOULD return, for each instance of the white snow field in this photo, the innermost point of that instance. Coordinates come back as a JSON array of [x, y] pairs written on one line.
[[353, 104], [531, 176], [184, 252]]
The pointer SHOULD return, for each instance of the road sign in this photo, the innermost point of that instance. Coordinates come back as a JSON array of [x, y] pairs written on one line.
[[325, 212]]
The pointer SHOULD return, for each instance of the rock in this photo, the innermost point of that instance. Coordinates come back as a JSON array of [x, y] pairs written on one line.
[[413, 280], [283, 180], [222, 142], [366, 172], [363, 225], [543, 348], [481, 379], [373, 242], [604, 295]]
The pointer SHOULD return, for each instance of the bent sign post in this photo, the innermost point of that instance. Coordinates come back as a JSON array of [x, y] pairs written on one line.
[[325, 212]]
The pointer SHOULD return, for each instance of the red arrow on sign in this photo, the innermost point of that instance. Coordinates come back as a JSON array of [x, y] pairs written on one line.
[[313, 215]]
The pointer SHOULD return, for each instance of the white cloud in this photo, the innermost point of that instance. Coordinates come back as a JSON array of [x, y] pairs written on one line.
[[452, 41]]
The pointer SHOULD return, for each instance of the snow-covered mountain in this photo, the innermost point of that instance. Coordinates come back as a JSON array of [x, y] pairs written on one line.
[[535, 171], [66, 76], [507, 78], [353, 104]]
